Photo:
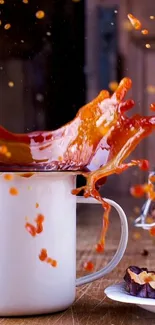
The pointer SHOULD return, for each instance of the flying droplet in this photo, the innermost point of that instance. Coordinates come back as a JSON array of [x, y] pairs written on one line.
[[39, 97], [135, 22], [40, 14], [148, 46], [145, 31], [11, 84], [48, 33], [7, 26], [150, 89]]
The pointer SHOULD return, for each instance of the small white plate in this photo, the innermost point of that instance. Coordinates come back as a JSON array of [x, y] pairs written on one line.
[[117, 292]]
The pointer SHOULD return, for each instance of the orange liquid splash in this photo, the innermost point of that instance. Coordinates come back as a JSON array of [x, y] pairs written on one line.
[[135, 22], [137, 25], [101, 130]]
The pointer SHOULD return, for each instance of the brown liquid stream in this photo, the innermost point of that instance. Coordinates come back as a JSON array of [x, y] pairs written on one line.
[[95, 144]]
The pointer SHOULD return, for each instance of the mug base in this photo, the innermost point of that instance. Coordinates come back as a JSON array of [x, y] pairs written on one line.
[[21, 312]]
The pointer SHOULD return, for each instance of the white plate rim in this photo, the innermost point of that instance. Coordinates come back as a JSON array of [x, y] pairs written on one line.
[[118, 292]]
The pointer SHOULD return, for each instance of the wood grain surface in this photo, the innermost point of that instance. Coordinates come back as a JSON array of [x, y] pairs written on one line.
[[91, 306]]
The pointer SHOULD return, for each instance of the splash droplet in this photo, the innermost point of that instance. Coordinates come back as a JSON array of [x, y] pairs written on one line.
[[135, 22], [145, 31], [148, 46], [11, 84], [40, 14], [7, 26]]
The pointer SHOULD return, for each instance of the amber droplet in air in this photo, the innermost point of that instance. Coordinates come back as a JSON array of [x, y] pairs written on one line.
[[137, 191], [8, 177], [145, 31], [2, 2], [25, 1], [11, 84], [135, 22], [152, 107], [40, 14], [7, 26], [144, 165], [37, 205], [89, 266], [13, 191], [148, 46], [150, 89]]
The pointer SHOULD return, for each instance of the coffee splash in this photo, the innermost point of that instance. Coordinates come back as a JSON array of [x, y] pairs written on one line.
[[95, 144]]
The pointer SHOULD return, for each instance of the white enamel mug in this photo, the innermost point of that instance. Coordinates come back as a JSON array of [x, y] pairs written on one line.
[[27, 285]]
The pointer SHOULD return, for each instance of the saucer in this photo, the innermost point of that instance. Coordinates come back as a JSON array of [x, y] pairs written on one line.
[[117, 292]]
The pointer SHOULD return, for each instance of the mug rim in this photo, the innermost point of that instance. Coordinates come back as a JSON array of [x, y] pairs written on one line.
[[42, 173]]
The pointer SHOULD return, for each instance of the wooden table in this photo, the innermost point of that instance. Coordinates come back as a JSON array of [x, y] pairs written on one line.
[[91, 306]]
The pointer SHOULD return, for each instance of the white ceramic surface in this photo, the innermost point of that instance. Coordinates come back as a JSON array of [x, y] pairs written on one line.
[[117, 292], [27, 285]]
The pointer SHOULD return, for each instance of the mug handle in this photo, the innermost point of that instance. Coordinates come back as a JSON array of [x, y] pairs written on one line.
[[121, 247]]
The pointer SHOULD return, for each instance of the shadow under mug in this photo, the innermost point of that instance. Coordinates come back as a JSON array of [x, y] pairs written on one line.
[[27, 285]]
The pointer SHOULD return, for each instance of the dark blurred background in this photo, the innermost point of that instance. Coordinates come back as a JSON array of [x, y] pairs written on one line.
[[52, 66]]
